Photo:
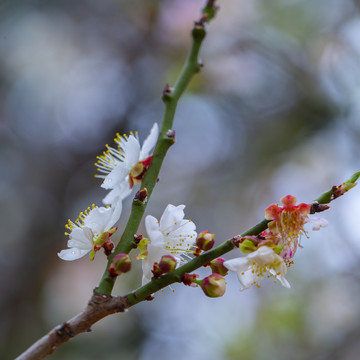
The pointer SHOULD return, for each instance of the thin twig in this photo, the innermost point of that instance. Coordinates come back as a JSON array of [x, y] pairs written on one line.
[[98, 307]]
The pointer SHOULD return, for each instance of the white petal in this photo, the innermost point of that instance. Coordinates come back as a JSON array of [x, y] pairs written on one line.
[[116, 176], [318, 223], [238, 264], [119, 192], [149, 142], [180, 243], [88, 233], [115, 215], [263, 255], [131, 151], [248, 278], [72, 254], [171, 216], [98, 219], [153, 230], [284, 282], [182, 227], [80, 239]]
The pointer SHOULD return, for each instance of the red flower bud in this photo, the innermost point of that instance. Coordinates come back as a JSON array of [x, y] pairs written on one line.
[[167, 264], [205, 241], [121, 264], [214, 285], [217, 266]]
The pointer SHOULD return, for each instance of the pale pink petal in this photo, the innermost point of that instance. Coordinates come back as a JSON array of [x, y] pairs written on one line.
[[318, 223]]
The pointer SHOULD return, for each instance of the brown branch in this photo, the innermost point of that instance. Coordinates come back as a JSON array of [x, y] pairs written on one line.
[[98, 307]]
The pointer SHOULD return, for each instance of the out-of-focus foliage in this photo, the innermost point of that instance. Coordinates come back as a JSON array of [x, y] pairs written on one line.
[[274, 111]]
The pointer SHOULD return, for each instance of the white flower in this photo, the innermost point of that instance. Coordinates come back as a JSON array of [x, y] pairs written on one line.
[[90, 231], [252, 268], [173, 235], [125, 166]]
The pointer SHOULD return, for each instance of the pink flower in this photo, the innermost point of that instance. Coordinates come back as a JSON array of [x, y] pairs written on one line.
[[287, 224]]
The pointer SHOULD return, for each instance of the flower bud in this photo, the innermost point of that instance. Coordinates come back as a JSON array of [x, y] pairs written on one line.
[[205, 241], [167, 264], [121, 264], [214, 285], [217, 266]]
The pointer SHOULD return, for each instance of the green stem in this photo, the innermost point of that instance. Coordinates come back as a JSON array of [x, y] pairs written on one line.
[[166, 139], [155, 285], [327, 196]]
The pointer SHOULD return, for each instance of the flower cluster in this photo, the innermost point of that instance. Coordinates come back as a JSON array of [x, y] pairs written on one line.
[[271, 252], [120, 169], [173, 240]]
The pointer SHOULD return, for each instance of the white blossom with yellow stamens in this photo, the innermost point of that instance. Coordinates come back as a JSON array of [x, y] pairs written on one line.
[[90, 231], [172, 235], [252, 268], [123, 167]]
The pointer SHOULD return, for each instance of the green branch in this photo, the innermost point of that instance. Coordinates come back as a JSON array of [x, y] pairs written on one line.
[[155, 285], [101, 306], [166, 139], [337, 191]]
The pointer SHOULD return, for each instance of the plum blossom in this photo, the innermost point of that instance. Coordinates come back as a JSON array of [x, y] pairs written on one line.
[[287, 225], [91, 231], [125, 166], [271, 251], [172, 235], [252, 268]]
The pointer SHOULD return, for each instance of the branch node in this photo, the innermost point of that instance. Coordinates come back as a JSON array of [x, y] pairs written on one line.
[[316, 207], [98, 299], [167, 91], [236, 240], [137, 238], [171, 135], [141, 196], [65, 330]]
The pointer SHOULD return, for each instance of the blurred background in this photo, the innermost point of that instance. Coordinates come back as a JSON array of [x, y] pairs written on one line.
[[275, 111]]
